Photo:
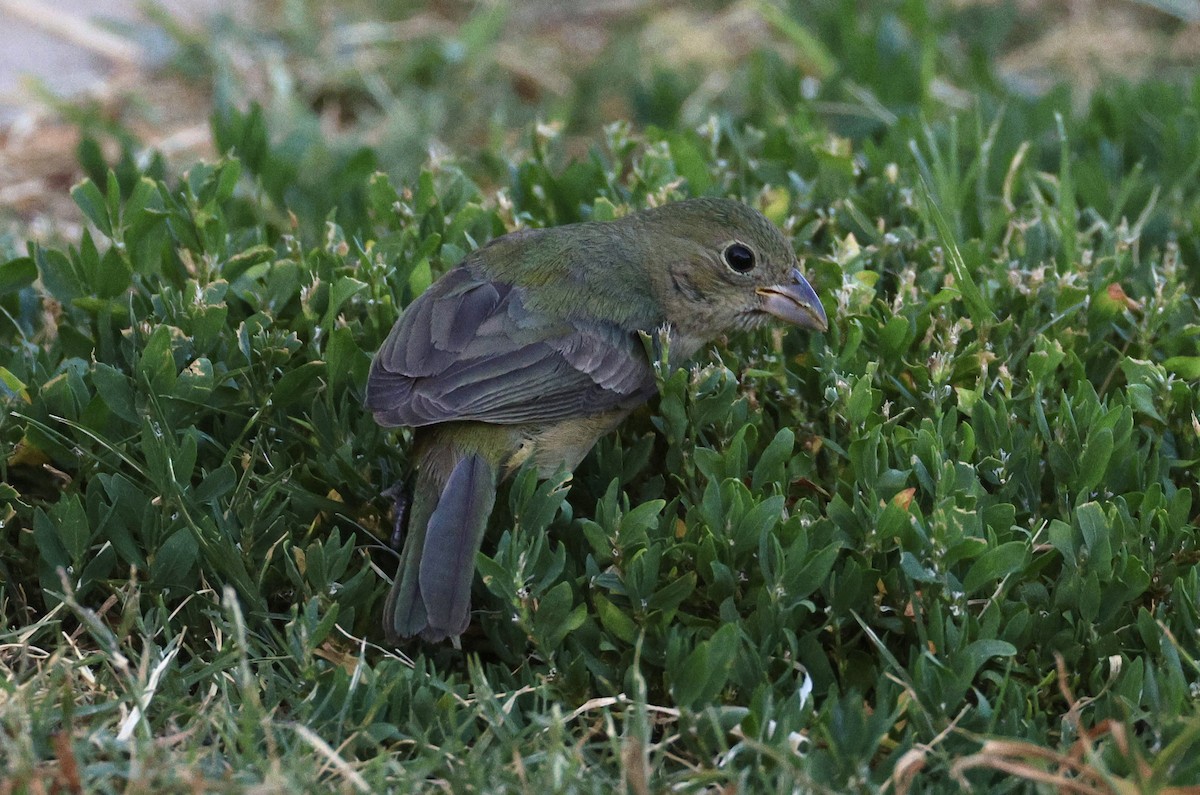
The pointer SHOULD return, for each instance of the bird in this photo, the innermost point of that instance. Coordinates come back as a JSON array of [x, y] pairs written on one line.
[[530, 349]]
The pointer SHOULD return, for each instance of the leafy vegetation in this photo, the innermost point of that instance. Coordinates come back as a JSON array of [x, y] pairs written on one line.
[[954, 540]]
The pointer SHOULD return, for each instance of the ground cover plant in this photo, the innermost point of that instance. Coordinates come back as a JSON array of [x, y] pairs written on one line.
[[950, 543]]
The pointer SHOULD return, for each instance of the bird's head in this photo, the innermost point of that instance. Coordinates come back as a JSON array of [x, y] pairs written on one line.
[[722, 266]]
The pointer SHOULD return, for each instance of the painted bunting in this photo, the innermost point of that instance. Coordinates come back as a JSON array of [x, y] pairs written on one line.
[[529, 350]]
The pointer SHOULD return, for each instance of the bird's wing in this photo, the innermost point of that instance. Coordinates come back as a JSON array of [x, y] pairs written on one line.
[[469, 349]]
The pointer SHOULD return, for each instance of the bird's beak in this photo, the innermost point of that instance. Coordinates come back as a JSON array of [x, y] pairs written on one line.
[[794, 302]]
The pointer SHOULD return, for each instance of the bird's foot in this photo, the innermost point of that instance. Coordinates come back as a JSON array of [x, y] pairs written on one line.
[[399, 496]]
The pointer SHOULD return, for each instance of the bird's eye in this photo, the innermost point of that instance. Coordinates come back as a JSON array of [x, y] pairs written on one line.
[[739, 257]]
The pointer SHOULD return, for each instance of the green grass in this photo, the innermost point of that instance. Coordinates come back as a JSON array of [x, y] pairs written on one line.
[[956, 532]]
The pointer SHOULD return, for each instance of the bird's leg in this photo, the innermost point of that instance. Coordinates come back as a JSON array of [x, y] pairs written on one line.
[[398, 492]]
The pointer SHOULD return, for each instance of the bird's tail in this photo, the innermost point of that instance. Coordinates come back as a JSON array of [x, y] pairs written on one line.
[[431, 594]]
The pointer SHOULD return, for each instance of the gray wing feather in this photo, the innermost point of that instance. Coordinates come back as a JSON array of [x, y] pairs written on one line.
[[469, 349]]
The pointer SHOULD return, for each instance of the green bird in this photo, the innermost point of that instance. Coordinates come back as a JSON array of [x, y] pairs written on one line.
[[529, 350]]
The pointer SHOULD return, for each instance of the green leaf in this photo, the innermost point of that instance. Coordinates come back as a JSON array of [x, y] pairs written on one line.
[[1067, 200], [340, 354], [50, 545], [112, 199], [555, 618], [862, 401], [1093, 463], [178, 555], [241, 262], [62, 279], [115, 390], [91, 201], [113, 276], [1184, 366], [641, 519], [341, 292], [535, 513], [228, 174], [155, 453], [184, 459], [1062, 538], [129, 504], [614, 620], [807, 44], [760, 519], [1089, 597], [995, 564], [1046, 359], [1141, 397], [17, 274], [770, 465], [690, 163], [804, 575], [208, 323], [296, 385], [425, 197], [420, 277], [670, 596], [980, 651], [73, 527], [1096, 536], [896, 336], [216, 485], [144, 194], [11, 386], [705, 671], [157, 363], [689, 682], [603, 209], [196, 381], [976, 306], [381, 195], [1179, 508]]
